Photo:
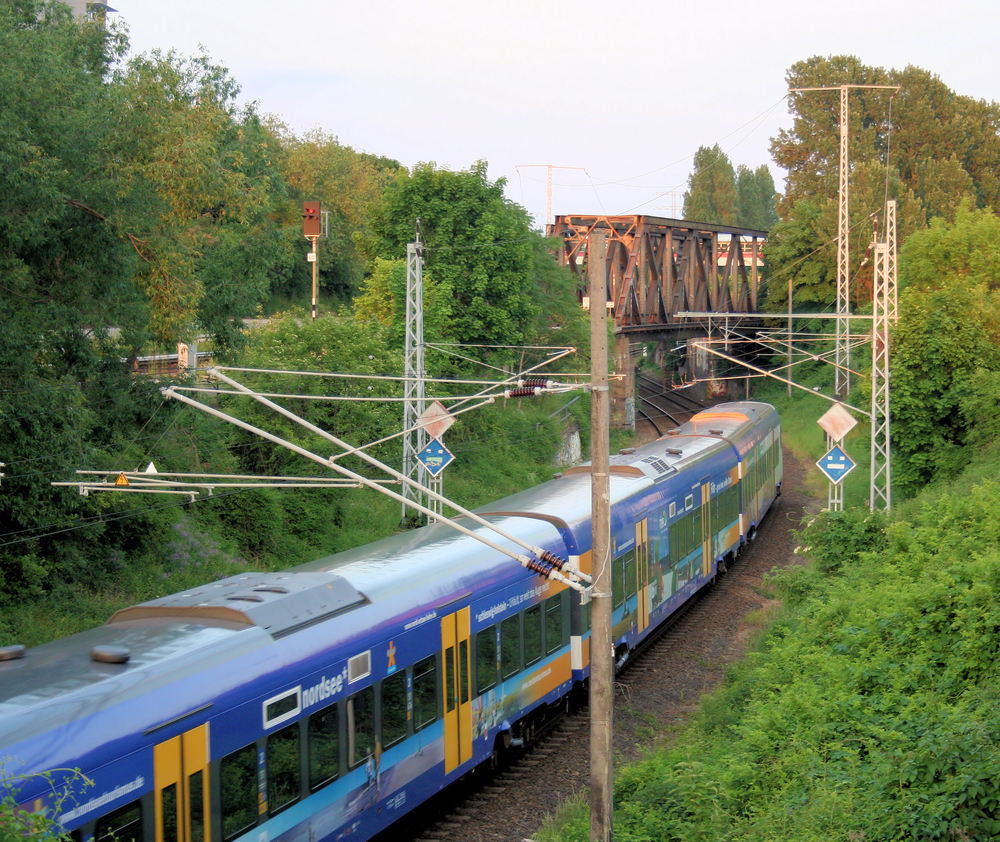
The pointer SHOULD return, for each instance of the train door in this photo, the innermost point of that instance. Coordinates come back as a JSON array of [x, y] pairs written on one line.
[[706, 527], [180, 769], [457, 677], [642, 573]]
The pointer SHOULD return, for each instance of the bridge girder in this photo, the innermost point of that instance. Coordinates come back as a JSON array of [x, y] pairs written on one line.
[[660, 267]]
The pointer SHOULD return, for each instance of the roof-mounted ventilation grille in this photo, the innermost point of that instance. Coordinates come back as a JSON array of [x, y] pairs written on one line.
[[655, 467]]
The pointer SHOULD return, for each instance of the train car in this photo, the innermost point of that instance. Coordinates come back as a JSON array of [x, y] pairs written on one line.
[[326, 701]]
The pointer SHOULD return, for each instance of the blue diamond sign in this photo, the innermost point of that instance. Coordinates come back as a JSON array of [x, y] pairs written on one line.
[[435, 457], [836, 464]]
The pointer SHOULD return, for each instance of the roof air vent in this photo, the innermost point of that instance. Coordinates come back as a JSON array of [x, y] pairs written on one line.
[[110, 654], [626, 451], [716, 432], [12, 653], [675, 432], [673, 451]]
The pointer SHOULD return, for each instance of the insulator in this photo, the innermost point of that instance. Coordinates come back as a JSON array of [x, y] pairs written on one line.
[[520, 393], [539, 566], [553, 559]]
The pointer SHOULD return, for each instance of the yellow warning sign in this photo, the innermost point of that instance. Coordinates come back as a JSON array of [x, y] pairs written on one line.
[[121, 481]]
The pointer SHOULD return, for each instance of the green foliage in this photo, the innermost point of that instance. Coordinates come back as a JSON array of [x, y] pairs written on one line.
[[757, 198], [930, 149], [383, 299], [476, 243], [711, 195], [788, 252], [16, 824], [835, 539], [967, 248], [348, 185], [717, 193], [560, 320], [946, 346], [868, 710], [191, 172]]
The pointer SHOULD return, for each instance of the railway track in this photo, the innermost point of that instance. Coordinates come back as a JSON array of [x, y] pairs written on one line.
[[660, 687], [661, 408]]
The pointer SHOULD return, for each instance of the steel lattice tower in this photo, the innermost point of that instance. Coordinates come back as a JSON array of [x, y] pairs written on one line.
[[884, 314], [842, 356], [414, 397], [414, 394]]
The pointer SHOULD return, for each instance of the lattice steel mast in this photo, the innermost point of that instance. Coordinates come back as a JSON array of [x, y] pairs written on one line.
[[885, 310], [415, 397], [842, 337]]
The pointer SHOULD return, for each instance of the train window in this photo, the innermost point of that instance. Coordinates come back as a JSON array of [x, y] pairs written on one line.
[[393, 709], [463, 670], [449, 679], [533, 635], [168, 805], [283, 768], [360, 727], [196, 796], [553, 623], [425, 693], [618, 584], [123, 825], [238, 791], [324, 747], [630, 583], [677, 542], [510, 646], [282, 707], [486, 660]]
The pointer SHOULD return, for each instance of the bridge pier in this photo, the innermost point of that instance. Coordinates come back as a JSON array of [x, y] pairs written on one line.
[[623, 385]]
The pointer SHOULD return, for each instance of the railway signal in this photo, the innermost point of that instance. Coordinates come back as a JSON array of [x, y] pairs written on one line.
[[311, 221], [312, 228]]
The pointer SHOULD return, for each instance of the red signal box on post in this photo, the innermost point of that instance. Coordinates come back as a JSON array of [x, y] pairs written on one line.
[[311, 224]]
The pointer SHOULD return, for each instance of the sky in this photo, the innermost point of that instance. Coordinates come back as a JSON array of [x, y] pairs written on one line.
[[608, 100]]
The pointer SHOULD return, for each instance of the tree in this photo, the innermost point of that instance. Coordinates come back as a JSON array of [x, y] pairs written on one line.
[[792, 245], [383, 300], [123, 195], [348, 184], [194, 173], [711, 195], [756, 198], [946, 346], [925, 146], [476, 243]]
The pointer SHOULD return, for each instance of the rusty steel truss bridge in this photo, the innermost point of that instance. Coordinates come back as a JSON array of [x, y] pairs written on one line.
[[658, 268]]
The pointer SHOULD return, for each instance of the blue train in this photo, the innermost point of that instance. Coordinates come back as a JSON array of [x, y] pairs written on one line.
[[326, 701]]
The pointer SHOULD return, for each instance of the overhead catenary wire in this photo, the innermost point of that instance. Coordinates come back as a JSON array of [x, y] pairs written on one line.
[[571, 577]]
